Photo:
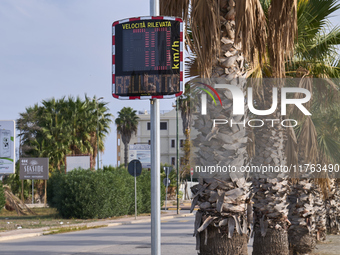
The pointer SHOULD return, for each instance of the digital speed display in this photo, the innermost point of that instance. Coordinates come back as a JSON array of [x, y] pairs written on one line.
[[147, 58]]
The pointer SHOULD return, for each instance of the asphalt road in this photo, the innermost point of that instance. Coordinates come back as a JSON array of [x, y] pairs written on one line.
[[131, 239]]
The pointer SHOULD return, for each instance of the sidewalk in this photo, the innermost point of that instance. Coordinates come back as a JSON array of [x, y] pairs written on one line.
[[24, 233]]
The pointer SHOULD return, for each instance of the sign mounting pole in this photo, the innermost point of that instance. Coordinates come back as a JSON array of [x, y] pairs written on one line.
[[147, 64], [155, 163]]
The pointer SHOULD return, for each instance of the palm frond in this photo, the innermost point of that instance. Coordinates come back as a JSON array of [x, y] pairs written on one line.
[[282, 20], [251, 29]]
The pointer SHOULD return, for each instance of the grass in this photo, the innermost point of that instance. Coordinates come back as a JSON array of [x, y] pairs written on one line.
[[45, 217], [49, 218]]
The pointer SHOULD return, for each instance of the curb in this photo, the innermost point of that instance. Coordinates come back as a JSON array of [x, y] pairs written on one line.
[[8, 238], [148, 220], [20, 236]]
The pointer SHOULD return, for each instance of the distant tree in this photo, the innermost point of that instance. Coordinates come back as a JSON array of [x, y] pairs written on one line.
[[126, 122], [62, 127]]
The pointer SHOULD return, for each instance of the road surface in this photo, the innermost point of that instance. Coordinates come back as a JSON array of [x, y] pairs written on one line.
[[131, 239]]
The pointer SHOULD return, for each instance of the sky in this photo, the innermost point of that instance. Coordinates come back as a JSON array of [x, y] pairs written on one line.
[[56, 48]]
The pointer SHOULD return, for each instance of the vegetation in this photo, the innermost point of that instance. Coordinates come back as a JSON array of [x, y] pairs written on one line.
[[126, 122], [63, 127], [2, 197], [110, 192], [43, 217]]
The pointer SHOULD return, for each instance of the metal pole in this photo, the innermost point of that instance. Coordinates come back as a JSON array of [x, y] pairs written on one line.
[[155, 164], [154, 7], [166, 190], [45, 200], [177, 167], [135, 190], [155, 179], [98, 132], [97, 137], [32, 191]]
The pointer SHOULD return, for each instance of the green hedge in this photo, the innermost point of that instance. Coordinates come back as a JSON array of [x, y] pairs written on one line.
[[99, 194], [2, 197]]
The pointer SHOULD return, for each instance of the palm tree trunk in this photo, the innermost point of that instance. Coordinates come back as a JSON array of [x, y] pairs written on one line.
[[215, 243], [274, 242], [301, 211], [223, 197], [126, 151], [333, 209], [271, 188]]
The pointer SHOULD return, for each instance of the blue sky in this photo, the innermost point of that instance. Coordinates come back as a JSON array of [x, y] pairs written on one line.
[[60, 48], [55, 48]]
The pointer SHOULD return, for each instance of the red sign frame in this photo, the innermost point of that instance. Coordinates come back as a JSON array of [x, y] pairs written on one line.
[[143, 93]]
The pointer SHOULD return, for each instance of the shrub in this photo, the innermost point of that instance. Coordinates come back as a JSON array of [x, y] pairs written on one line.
[[99, 194], [2, 197]]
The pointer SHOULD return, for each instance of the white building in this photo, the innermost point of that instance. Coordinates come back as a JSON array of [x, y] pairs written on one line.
[[167, 135]]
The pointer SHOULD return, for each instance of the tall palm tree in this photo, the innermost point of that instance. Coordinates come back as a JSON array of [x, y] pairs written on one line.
[[221, 32], [127, 123], [315, 56]]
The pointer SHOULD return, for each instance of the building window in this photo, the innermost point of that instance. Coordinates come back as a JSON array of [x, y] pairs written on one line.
[[164, 125], [173, 143], [181, 143], [173, 161]]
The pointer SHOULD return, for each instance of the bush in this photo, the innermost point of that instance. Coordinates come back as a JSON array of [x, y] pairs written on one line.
[[100, 194], [2, 197]]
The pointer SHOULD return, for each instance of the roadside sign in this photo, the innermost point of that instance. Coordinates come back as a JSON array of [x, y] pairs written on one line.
[[34, 168], [167, 170], [142, 152], [147, 58], [191, 171], [7, 147], [166, 182], [78, 161], [135, 168]]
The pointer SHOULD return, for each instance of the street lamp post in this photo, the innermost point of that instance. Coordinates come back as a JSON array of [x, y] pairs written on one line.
[[98, 132]]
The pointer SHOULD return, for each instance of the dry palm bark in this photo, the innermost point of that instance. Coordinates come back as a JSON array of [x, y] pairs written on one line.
[[221, 31], [222, 222], [224, 218], [302, 232], [271, 188], [16, 203], [333, 208]]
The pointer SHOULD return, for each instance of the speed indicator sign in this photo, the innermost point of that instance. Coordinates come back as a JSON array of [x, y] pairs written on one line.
[[147, 58]]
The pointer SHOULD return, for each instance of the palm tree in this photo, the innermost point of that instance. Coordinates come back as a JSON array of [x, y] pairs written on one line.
[[63, 127], [228, 29], [28, 124], [127, 123]]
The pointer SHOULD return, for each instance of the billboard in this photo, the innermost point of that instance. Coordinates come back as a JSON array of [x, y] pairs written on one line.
[[7, 146], [142, 153], [75, 162], [34, 168], [147, 58]]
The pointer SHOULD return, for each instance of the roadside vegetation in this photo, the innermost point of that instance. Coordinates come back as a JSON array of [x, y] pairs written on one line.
[[45, 217], [87, 194]]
